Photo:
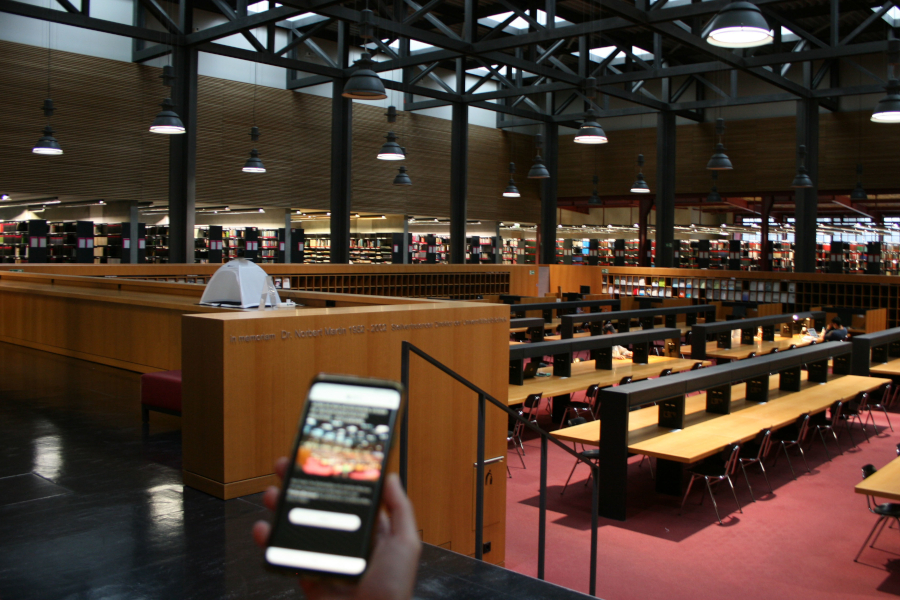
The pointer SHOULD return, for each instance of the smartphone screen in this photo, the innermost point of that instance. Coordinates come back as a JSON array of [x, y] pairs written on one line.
[[332, 490]]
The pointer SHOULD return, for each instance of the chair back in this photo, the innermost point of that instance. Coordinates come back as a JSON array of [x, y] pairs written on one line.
[[687, 338], [624, 380], [883, 394], [863, 399], [576, 421], [764, 439], [792, 346], [803, 427], [751, 355], [730, 454], [867, 471], [697, 365], [590, 396], [531, 403], [836, 409], [774, 351], [665, 372], [898, 449]]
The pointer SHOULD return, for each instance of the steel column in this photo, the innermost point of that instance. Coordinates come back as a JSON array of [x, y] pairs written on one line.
[[341, 159], [183, 154], [766, 211], [807, 198], [459, 158], [548, 196], [665, 189]]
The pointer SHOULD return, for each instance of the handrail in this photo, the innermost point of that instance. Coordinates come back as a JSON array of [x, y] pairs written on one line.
[[405, 349]]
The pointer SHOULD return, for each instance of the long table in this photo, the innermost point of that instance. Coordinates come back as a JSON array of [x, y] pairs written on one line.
[[890, 369], [885, 483], [584, 374], [742, 351], [705, 434]]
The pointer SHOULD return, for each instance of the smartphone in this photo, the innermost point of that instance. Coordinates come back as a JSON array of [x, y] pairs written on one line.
[[331, 493]]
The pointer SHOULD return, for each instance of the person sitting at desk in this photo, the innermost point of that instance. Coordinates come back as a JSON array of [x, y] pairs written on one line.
[[618, 352], [835, 332]]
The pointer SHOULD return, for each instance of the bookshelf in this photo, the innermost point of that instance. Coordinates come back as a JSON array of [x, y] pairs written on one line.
[[268, 246], [158, 244], [24, 241], [70, 242], [483, 250]]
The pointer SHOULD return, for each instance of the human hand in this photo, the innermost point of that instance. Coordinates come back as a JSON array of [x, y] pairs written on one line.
[[391, 574]]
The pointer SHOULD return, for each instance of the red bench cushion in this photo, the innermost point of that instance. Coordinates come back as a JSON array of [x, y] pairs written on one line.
[[162, 390]]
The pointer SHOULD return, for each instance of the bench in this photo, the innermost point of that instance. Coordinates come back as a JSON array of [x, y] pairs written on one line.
[[161, 392]]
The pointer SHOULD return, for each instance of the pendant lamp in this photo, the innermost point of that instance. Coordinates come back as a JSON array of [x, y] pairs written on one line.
[[538, 170], [167, 121], [719, 160], [390, 150], [640, 186], [402, 178], [859, 193], [713, 196], [739, 25], [801, 179], [590, 131], [511, 190], [594, 200], [364, 84], [253, 164], [888, 108]]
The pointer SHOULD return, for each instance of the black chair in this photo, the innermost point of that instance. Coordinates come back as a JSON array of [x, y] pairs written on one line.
[[884, 399], [888, 510], [793, 435], [756, 452], [792, 347], [593, 454], [697, 365], [854, 410], [625, 380], [716, 469], [585, 406], [529, 411], [516, 442], [751, 355], [774, 351], [665, 372], [830, 424]]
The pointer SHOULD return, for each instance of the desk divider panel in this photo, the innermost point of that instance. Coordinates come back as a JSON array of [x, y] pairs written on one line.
[[671, 413], [536, 334], [758, 388], [562, 364], [671, 320], [894, 349], [720, 328], [603, 359], [718, 400], [646, 322], [818, 371], [723, 339], [768, 333], [880, 354], [640, 353], [623, 326], [690, 318], [840, 365], [747, 336], [789, 379]]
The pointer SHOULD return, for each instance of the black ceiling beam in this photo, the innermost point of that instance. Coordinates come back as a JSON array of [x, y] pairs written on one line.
[[150, 53], [270, 59], [83, 21], [232, 16], [68, 6], [241, 24], [162, 16]]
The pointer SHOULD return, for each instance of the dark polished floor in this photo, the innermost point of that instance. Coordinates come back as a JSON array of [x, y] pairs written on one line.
[[92, 505]]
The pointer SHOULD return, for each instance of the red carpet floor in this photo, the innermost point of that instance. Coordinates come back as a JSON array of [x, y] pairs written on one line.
[[797, 543]]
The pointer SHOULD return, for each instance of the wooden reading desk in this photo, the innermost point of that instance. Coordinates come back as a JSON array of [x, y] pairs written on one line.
[[742, 351], [584, 374], [885, 483], [889, 369]]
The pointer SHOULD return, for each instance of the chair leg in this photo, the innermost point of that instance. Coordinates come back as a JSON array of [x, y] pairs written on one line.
[[688, 491], [849, 433], [788, 457], [884, 409], [803, 456], [750, 487], [822, 435], [145, 414], [508, 472], [856, 558], [713, 498], [516, 448], [570, 477], [880, 530], [766, 476], [734, 493]]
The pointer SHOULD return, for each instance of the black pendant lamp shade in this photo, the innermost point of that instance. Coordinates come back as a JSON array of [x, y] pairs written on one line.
[[719, 160], [47, 145], [859, 193], [391, 150], [538, 170], [801, 179], [511, 190], [640, 186], [594, 200], [253, 164], [888, 109], [739, 25], [364, 84], [402, 178], [167, 121], [590, 131], [713, 196]]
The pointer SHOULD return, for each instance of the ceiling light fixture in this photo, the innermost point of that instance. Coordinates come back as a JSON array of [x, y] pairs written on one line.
[[167, 121], [801, 179], [402, 178], [391, 150], [714, 197], [594, 200], [511, 190], [590, 131], [888, 108], [719, 160], [739, 25], [640, 186], [859, 193], [254, 164], [538, 170], [364, 84]]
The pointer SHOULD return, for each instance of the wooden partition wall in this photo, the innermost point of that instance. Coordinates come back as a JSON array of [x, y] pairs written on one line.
[[857, 292], [245, 376]]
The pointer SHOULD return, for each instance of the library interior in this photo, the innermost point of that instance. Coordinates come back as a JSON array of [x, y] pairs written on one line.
[[676, 223]]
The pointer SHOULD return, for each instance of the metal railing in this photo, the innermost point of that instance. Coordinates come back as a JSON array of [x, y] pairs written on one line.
[[483, 397]]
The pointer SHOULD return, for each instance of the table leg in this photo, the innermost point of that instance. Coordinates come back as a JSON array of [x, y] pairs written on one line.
[[560, 403], [669, 477]]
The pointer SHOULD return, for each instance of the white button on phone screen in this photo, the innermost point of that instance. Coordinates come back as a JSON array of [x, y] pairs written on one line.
[[324, 519]]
